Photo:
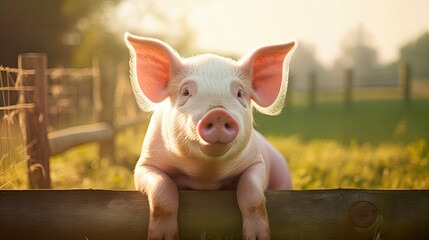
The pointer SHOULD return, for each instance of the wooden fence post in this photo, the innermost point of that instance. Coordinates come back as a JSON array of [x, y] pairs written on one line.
[[405, 82], [105, 84], [312, 85], [348, 87], [33, 121]]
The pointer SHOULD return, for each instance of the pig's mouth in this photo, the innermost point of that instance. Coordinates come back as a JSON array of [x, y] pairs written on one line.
[[216, 149]]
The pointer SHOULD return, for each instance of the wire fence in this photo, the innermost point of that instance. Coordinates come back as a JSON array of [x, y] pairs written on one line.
[[70, 97], [73, 99], [12, 148]]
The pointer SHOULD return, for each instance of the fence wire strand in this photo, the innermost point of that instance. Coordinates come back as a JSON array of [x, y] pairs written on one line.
[[12, 149], [70, 97]]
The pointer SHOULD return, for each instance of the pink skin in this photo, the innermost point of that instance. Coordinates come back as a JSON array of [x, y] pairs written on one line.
[[201, 135]]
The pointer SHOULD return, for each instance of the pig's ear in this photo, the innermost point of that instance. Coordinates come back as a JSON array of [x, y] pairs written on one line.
[[268, 68], [151, 65]]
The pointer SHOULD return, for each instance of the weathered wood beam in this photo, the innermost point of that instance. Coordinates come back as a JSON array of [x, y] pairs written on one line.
[[316, 214], [62, 140]]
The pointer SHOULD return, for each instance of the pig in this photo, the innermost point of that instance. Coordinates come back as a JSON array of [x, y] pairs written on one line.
[[201, 134]]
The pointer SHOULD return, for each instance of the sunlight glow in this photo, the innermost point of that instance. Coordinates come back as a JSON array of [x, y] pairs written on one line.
[[235, 27]]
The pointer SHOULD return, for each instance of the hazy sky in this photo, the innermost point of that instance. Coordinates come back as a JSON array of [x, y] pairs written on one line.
[[237, 26]]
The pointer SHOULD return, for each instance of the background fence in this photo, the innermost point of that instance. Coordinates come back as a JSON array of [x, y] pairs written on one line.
[[47, 111], [70, 97], [394, 83], [12, 148]]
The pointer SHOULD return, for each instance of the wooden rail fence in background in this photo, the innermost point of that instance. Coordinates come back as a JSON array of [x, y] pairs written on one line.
[[315, 214], [404, 80], [42, 144]]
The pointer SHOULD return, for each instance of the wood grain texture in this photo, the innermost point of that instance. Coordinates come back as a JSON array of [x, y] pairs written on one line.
[[315, 214]]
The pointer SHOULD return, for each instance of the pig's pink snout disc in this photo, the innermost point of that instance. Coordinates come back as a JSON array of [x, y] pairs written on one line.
[[218, 126]]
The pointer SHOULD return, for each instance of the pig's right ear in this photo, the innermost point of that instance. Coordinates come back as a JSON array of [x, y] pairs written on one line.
[[151, 65]]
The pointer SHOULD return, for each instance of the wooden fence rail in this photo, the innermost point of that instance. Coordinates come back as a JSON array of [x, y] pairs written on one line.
[[349, 85], [314, 214], [62, 140]]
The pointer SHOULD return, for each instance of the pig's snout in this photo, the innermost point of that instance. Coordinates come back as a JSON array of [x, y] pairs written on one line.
[[218, 126]]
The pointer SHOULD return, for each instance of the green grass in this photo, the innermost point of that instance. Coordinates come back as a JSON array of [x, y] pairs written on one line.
[[371, 144], [317, 164], [13, 164], [373, 121], [314, 164], [376, 143], [81, 168]]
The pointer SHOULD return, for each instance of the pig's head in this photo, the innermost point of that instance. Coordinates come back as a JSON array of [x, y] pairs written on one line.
[[206, 101]]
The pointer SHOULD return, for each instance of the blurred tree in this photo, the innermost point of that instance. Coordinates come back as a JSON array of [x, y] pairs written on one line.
[[358, 54], [90, 36], [29, 26], [416, 53], [72, 32], [163, 19], [304, 63], [52, 27], [100, 31], [95, 41]]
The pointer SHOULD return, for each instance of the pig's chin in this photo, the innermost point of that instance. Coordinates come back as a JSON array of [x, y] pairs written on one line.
[[216, 149]]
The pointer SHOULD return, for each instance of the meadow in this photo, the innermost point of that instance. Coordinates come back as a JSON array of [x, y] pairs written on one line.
[[375, 143]]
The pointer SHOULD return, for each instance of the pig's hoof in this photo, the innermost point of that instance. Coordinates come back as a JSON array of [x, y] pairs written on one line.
[[163, 230], [161, 236], [258, 229]]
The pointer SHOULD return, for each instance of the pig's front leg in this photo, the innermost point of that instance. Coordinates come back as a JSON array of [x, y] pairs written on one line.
[[251, 200], [163, 200]]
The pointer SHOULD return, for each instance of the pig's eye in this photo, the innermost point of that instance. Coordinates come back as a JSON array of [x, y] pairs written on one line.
[[240, 97], [187, 90], [185, 93]]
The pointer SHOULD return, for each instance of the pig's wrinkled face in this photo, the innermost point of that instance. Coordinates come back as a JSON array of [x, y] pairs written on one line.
[[211, 114]]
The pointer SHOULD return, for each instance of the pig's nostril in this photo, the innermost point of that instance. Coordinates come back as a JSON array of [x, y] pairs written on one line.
[[227, 126], [209, 126]]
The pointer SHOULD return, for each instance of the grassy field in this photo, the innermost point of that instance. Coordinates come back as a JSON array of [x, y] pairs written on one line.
[[365, 121], [318, 164], [374, 143]]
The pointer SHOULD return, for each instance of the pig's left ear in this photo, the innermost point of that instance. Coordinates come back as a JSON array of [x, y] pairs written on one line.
[[152, 64], [268, 68]]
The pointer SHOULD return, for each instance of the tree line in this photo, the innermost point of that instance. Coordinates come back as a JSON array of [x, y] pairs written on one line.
[[71, 32]]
